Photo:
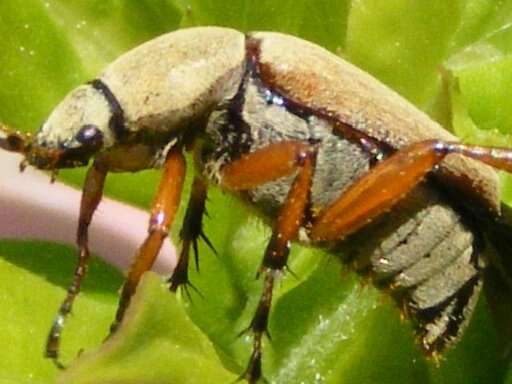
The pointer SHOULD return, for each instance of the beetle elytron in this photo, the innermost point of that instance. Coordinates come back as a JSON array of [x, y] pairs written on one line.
[[320, 148]]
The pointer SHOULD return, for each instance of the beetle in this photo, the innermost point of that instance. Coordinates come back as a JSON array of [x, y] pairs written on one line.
[[323, 151]]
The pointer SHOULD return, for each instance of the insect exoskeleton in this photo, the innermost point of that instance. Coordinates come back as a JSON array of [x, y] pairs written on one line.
[[328, 154]]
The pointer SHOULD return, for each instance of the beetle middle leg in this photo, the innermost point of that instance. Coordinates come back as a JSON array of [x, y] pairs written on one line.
[[91, 197], [162, 215], [251, 170], [191, 231]]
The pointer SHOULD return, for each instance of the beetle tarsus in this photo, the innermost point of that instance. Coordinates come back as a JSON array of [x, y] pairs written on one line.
[[53, 341], [179, 278], [180, 274], [252, 372], [58, 364]]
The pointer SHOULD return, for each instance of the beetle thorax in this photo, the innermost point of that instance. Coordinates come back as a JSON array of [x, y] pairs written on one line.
[[257, 117]]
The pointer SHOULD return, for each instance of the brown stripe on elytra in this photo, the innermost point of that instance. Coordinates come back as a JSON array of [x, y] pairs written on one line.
[[116, 122], [375, 148]]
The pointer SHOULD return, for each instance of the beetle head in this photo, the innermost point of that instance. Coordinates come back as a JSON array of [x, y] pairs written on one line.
[[77, 129]]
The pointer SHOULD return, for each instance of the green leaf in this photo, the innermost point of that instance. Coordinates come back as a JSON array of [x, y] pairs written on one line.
[[155, 326], [402, 42], [450, 58], [33, 281]]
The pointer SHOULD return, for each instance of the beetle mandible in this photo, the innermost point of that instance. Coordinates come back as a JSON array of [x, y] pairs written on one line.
[[325, 152]]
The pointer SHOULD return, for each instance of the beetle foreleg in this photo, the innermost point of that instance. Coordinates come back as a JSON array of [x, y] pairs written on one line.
[[390, 180], [281, 158], [91, 196], [162, 215], [190, 233]]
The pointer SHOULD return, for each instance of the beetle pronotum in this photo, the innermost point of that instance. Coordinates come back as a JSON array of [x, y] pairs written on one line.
[[320, 148]]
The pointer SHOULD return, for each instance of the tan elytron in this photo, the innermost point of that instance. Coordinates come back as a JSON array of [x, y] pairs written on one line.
[[316, 77], [185, 74]]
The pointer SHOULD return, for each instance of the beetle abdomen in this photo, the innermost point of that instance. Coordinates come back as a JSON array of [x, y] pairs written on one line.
[[429, 255]]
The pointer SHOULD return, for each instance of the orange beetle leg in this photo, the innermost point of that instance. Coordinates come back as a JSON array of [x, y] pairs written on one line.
[[382, 187], [279, 160], [91, 197], [163, 212]]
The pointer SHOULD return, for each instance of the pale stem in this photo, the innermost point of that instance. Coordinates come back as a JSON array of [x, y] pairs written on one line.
[[32, 208]]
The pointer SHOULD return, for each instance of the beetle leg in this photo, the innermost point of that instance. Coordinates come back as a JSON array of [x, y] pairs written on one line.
[[264, 165], [280, 159], [163, 211], [388, 182], [91, 196], [190, 233]]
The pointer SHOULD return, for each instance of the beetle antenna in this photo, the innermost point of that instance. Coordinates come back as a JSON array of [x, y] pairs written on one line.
[[40, 157], [14, 141]]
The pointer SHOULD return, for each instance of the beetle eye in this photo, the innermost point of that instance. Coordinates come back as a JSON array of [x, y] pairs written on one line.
[[90, 135]]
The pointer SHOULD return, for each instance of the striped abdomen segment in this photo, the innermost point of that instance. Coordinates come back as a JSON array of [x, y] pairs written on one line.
[[428, 254]]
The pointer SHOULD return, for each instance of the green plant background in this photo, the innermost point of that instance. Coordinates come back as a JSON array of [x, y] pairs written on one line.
[[451, 58]]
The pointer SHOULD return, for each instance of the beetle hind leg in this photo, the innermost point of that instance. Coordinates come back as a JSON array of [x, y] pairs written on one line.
[[390, 180]]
